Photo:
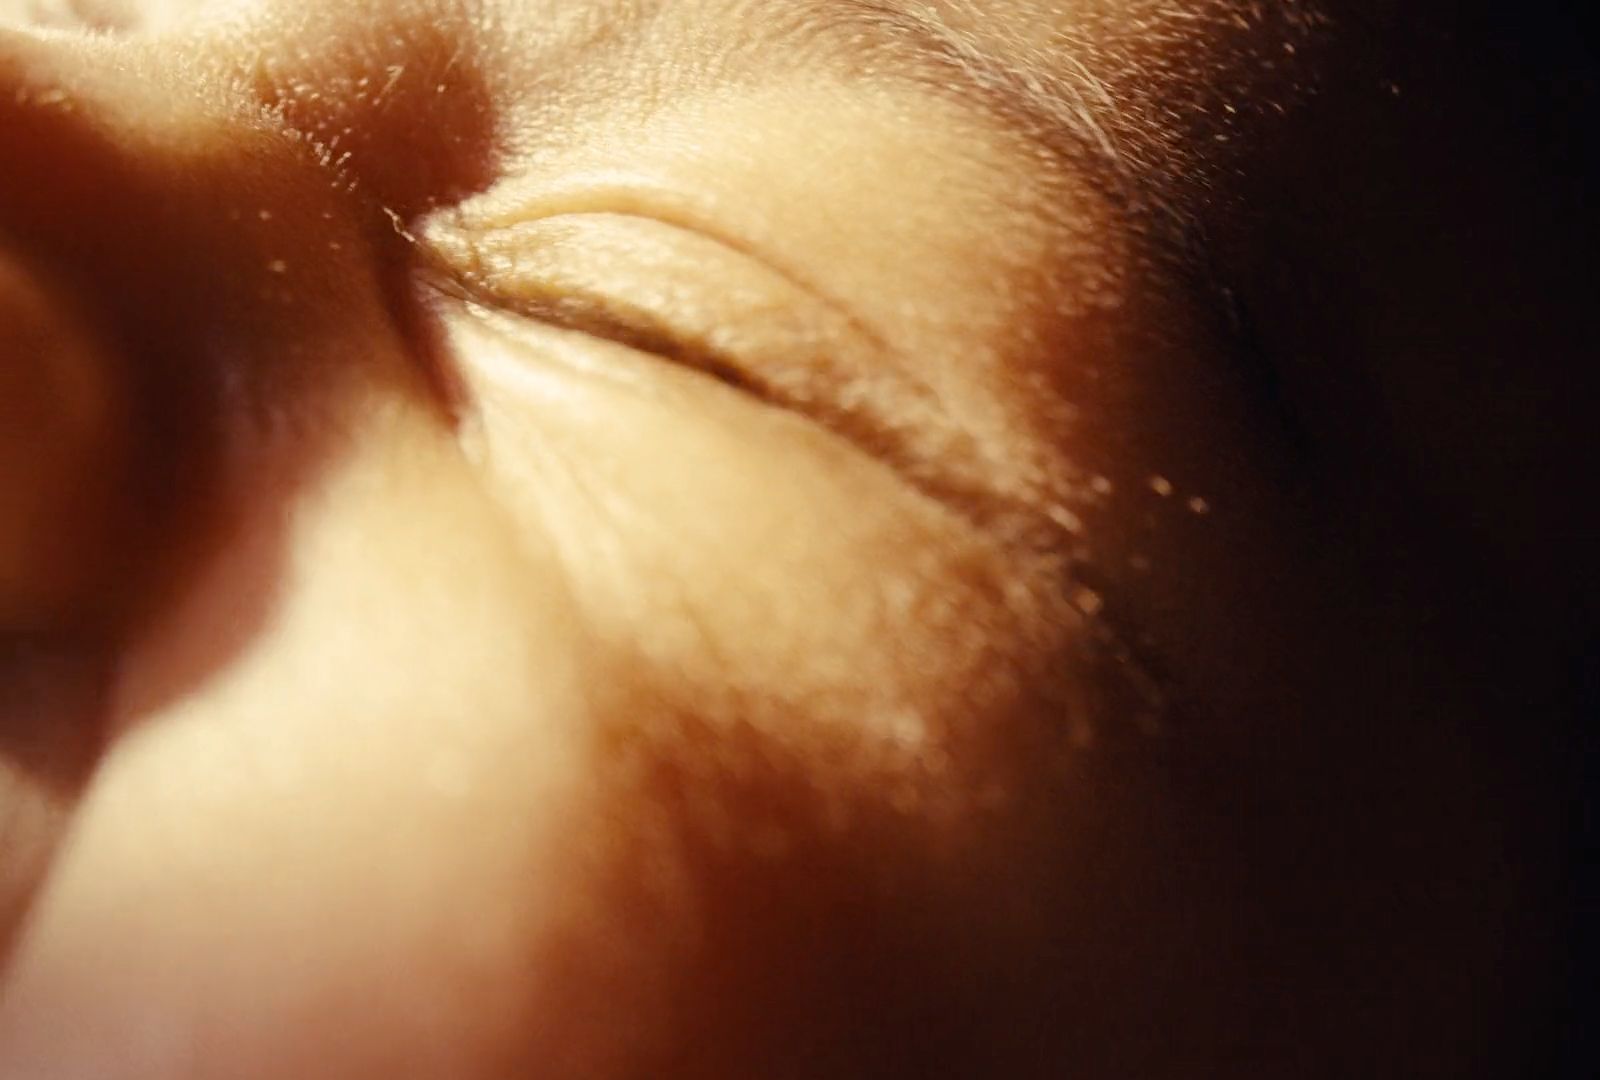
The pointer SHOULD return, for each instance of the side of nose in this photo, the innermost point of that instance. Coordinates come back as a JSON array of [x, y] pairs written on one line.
[[166, 248], [81, 134], [63, 448], [127, 174], [64, 437]]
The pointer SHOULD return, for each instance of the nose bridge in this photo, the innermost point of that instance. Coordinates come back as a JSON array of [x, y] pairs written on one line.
[[65, 448], [103, 152], [58, 87], [168, 246], [54, 130], [177, 210]]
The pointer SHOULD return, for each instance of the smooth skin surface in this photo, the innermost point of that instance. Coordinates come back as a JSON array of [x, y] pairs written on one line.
[[736, 538]]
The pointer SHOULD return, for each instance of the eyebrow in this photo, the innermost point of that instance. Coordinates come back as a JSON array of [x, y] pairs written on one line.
[[1065, 113]]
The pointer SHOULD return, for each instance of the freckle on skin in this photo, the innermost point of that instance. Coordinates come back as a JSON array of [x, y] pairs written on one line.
[[1088, 602], [1067, 520]]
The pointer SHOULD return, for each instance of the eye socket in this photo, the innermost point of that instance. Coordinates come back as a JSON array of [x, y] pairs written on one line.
[[609, 280], [673, 293], [678, 294]]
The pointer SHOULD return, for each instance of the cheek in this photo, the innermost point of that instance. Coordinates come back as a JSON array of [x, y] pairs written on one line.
[[842, 737], [697, 696], [361, 793], [745, 558]]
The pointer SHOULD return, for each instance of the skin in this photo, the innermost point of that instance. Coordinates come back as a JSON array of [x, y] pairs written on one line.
[[726, 539]]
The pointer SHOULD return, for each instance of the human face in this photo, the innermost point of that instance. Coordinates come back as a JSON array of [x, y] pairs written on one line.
[[719, 538]]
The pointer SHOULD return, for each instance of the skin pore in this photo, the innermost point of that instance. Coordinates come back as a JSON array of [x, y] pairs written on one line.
[[732, 538]]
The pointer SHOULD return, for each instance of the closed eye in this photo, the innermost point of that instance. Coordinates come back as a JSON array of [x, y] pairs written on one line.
[[609, 318], [675, 293], [672, 293]]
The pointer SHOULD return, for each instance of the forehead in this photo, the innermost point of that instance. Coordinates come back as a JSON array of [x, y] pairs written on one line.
[[1140, 97]]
